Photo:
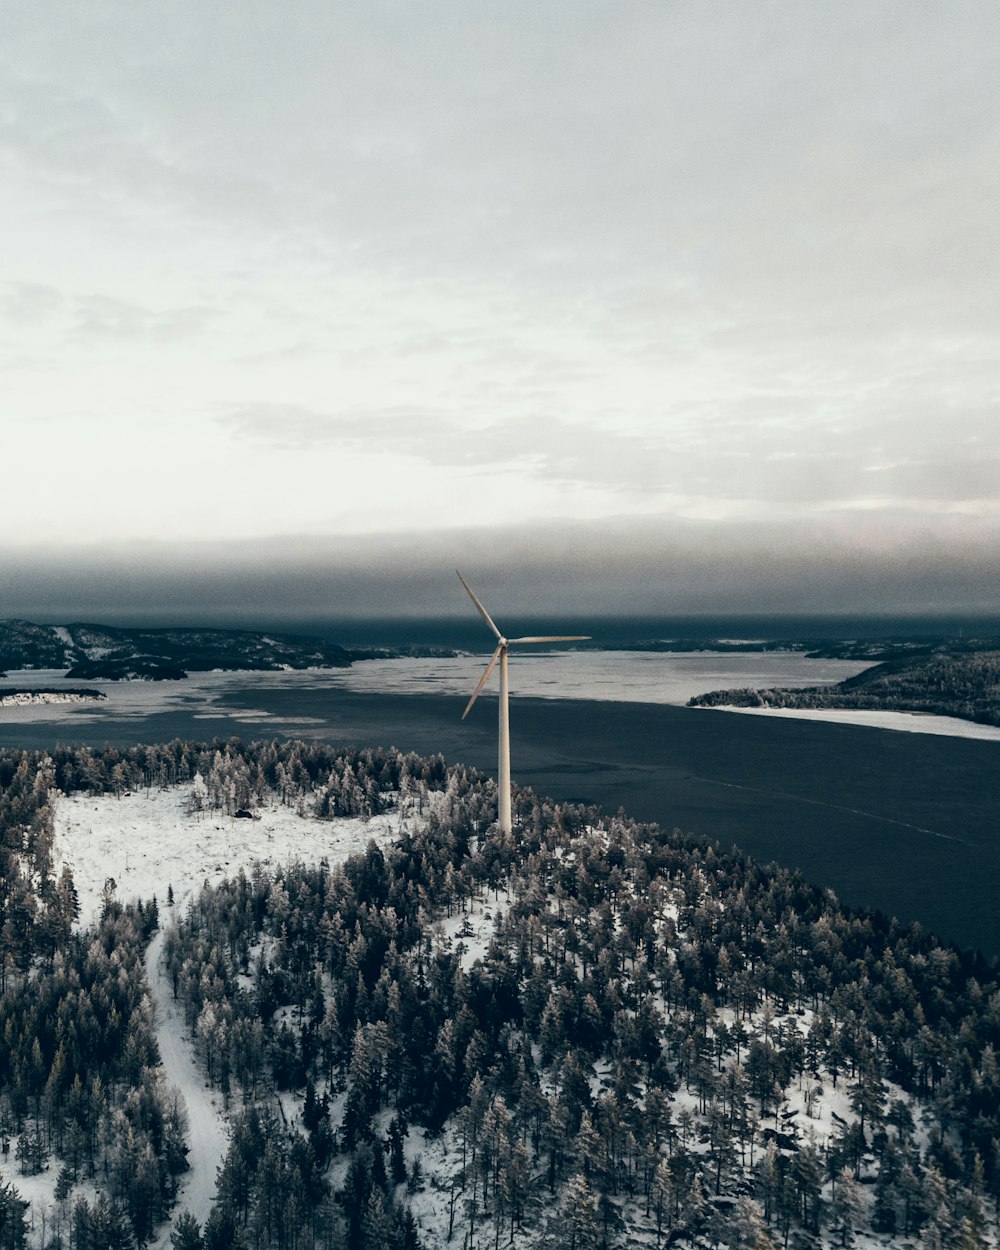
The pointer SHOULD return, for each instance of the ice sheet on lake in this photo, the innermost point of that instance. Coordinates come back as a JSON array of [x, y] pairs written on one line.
[[615, 676]]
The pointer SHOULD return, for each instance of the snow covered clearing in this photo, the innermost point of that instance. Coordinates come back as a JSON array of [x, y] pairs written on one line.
[[44, 1213], [152, 840], [468, 930]]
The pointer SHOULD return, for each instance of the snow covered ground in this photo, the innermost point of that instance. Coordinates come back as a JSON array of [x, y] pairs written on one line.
[[150, 840], [811, 1112]]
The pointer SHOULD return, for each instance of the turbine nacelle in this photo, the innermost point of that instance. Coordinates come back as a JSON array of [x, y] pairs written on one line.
[[501, 651]]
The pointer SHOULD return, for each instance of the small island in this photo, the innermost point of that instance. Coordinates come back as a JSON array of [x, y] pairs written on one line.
[[27, 698]]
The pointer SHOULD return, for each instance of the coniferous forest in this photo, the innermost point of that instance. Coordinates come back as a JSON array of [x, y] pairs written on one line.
[[656, 1042]]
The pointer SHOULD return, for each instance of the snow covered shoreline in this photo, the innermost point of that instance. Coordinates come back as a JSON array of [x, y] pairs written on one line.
[[903, 722]]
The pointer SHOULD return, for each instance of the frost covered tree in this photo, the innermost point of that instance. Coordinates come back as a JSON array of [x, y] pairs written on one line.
[[13, 1218], [199, 794], [579, 1223], [187, 1233], [846, 1207]]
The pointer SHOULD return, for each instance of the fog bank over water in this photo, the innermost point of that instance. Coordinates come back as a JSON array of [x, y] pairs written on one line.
[[617, 568]]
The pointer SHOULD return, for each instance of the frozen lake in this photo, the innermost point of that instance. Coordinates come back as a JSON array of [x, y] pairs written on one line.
[[669, 678], [621, 676]]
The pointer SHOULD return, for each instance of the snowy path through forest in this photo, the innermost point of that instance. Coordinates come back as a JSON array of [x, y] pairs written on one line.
[[207, 1134]]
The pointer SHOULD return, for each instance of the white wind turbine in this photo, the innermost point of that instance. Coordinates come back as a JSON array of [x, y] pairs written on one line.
[[503, 779]]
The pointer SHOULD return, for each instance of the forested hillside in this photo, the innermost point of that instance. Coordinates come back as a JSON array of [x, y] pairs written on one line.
[[114, 653], [966, 685], [80, 1089], [592, 1033]]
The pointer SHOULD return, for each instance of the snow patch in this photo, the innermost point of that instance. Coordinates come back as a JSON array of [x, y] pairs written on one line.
[[151, 840]]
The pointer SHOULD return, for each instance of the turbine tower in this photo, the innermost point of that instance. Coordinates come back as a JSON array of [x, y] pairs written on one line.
[[503, 777]]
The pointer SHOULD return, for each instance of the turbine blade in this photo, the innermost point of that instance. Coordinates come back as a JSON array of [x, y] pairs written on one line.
[[482, 611], [483, 680], [555, 638]]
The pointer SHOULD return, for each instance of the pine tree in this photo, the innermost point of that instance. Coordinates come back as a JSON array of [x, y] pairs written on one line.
[[64, 1184], [375, 1224], [187, 1233], [580, 1228], [108, 1228], [13, 1218], [846, 1207]]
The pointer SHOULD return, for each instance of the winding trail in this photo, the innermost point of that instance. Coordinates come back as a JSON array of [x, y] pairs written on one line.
[[208, 1136]]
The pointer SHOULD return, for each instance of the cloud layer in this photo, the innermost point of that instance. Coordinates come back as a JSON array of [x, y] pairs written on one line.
[[329, 274]]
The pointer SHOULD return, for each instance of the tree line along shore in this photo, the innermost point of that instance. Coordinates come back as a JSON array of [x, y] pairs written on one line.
[[966, 685]]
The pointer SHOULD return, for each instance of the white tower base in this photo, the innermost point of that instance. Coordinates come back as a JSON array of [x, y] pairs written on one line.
[[503, 772]]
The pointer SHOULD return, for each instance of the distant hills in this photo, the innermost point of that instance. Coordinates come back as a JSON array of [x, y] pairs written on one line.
[[964, 684], [118, 654], [872, 649]]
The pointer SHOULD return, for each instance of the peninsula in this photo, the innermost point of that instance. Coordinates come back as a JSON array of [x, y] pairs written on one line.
[[956, 683]]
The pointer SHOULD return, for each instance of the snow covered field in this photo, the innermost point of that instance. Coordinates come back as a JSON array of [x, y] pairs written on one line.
[[151, 840]]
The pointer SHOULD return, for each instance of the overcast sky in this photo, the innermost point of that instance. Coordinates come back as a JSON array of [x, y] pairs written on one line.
[[665, 306]]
